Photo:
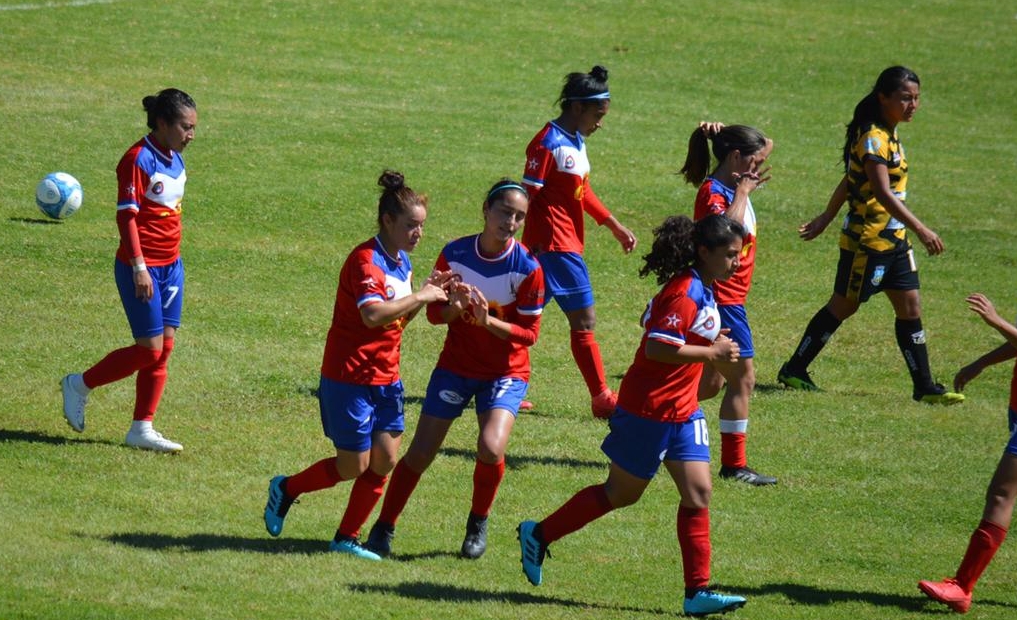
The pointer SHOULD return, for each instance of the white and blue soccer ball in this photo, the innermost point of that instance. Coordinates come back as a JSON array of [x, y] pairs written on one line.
[[59, 195]]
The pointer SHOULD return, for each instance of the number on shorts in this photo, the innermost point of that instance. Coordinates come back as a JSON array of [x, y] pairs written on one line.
[[702, 435], [501, 386], [173, 294]]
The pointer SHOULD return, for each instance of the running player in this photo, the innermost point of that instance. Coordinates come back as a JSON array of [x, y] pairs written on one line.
[[557, 178], [361, 394], [999, 498], [148, 270], [741, 152], [875, 250], [493, 317], [658, 418]]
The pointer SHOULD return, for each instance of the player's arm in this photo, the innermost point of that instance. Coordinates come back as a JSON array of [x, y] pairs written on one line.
[[812, 229], [129, 178], [723, 349], [980, 305], [600, 214], [879, 180], [383, 313]]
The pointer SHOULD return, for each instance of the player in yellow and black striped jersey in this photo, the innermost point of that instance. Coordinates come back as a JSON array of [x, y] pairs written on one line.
[[875, 252]]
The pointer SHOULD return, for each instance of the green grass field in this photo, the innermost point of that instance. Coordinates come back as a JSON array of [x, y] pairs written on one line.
[[301, 105]]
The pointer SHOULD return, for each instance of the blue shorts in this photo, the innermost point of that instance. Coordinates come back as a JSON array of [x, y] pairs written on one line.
[[639, 445], [735, 319], [1011, 447], [149, 318], [448, 394], [566, 280], [351, 413]]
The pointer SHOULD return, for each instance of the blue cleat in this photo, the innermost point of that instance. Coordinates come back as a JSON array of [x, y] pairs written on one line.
[[277, 506], [352, 546], [709, 602], [533, 551]]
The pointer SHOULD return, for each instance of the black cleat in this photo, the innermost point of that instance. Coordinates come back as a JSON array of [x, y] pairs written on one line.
[[379, 540], [475, 542], [747, 475]]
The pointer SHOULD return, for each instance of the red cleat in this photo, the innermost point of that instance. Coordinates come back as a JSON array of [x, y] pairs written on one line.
[[604, 404], [948, 593]]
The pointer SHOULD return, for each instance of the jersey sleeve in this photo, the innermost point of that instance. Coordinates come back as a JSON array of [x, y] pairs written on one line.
[[592, 205], [132, 180], [709, 202], [538, 162], [366, 281], [874, 144], [669, 319]]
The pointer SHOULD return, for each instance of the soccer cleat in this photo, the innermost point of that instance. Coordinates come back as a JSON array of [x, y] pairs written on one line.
[[709, 602], [74, 403], [796, 380], [525, 406], [947, 592], [380, 539], [352, 546], [747, 475], [475, 542], [533, 551], [277, 506], [603, 404], [938, 395], [150, 439]]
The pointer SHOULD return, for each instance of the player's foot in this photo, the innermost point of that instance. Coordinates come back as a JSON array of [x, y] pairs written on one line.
[[705, 602], [533, 551], [380, 539], [475, 542], [938, 395], [525, 406], [277, 506], [352, 546], [74, 401], [947, 592], [148, 438], [747, 475], [796, 379], [604, 403]]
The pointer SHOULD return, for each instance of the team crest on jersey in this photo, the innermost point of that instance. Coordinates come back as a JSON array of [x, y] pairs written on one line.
[[389, 291], [709, 324], [158, 188], [570, 162], [872, 145], [877, 274], [673, 320]]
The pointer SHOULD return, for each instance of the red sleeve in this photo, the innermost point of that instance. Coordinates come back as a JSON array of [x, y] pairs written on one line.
[[593, 205], [709, 203], [129, 239], [538, 161], [434, 308], [525, 331]]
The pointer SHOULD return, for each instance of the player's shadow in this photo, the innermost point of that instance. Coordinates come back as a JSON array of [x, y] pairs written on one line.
[[35, 220], [7, 434], [815, 596], [444, 592], [517, 461], [199, 543]]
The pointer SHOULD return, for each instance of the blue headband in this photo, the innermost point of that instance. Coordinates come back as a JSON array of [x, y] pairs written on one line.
[[501, 188], [598, 96]]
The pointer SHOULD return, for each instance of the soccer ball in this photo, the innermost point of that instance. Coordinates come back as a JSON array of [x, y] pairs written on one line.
[[58, 195]]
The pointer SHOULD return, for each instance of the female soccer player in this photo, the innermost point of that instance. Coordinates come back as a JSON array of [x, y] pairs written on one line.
[[557, 178], [999, 499], [875, 251], [493, 317], [741, 152], [148, 270], [361, 394], [658, 418]]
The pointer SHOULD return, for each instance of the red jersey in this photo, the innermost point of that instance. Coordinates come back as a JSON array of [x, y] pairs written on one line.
[[354, 352], [713, 199], [557, 178], [150, 182], [513, 285], [683, 312]]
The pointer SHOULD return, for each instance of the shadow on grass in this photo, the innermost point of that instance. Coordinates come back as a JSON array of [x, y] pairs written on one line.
[[516, 461], [216, 542], [815, 596], [35, 220], [7, 434], [433, 591]]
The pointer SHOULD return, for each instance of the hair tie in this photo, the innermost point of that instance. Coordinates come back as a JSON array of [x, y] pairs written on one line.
[[504, 187], [604, 95]]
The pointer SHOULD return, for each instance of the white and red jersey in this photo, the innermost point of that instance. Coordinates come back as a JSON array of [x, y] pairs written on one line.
[[713, 199], [354, 352], [683, 312], [557, 177], [513, 285], [150, 183]]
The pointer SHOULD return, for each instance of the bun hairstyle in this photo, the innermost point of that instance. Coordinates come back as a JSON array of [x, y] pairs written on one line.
[[676, 240], [742, 138], [868, 110], [167, 105], [585, 87], [396, 198], [503, 186]]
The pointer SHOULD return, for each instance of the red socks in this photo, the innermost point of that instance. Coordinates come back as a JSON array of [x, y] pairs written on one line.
[[694, 539], [732, 449], [364, 497], [585, 507], [985, 540], [486, 478], [586, 352], [119, 364], [150, 383], [321, 475], [404, 481]]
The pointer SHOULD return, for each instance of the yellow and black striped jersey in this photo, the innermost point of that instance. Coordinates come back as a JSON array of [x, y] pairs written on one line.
[[868, 224]]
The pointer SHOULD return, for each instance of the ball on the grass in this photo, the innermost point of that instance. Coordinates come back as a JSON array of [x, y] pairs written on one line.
[[58, 195]]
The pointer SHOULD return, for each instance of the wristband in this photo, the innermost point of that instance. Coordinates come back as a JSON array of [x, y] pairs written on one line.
[[138, 268]]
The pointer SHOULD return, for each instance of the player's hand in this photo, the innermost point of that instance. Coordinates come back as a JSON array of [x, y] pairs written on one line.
[[965, 375], [812, 229], [623, 235], [928, 237], [480, 306], [980, 305], [752, 180], [459, 296], [143, 288], [710, 128], [725, 349]]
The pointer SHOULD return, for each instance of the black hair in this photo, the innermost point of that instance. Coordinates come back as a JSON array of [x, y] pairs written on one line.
[[868, 110], [396, 198], [676, 241], [503, 186], [581, 86], [168, 105], [742, 138]]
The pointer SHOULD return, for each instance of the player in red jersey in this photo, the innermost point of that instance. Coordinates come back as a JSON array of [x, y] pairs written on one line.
[[361, 394], [658, 419], [493, 317], [148, 270], [999, 498], [741, 152], [557, 178]]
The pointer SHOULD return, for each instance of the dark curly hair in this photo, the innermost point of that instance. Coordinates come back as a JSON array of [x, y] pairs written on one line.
[[675, 242]]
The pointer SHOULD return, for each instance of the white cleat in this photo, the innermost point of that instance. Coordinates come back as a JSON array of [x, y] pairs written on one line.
[[151, 439], [74, 402]]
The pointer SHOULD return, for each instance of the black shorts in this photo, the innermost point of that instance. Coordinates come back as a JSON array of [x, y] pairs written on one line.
[[861, 275]]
